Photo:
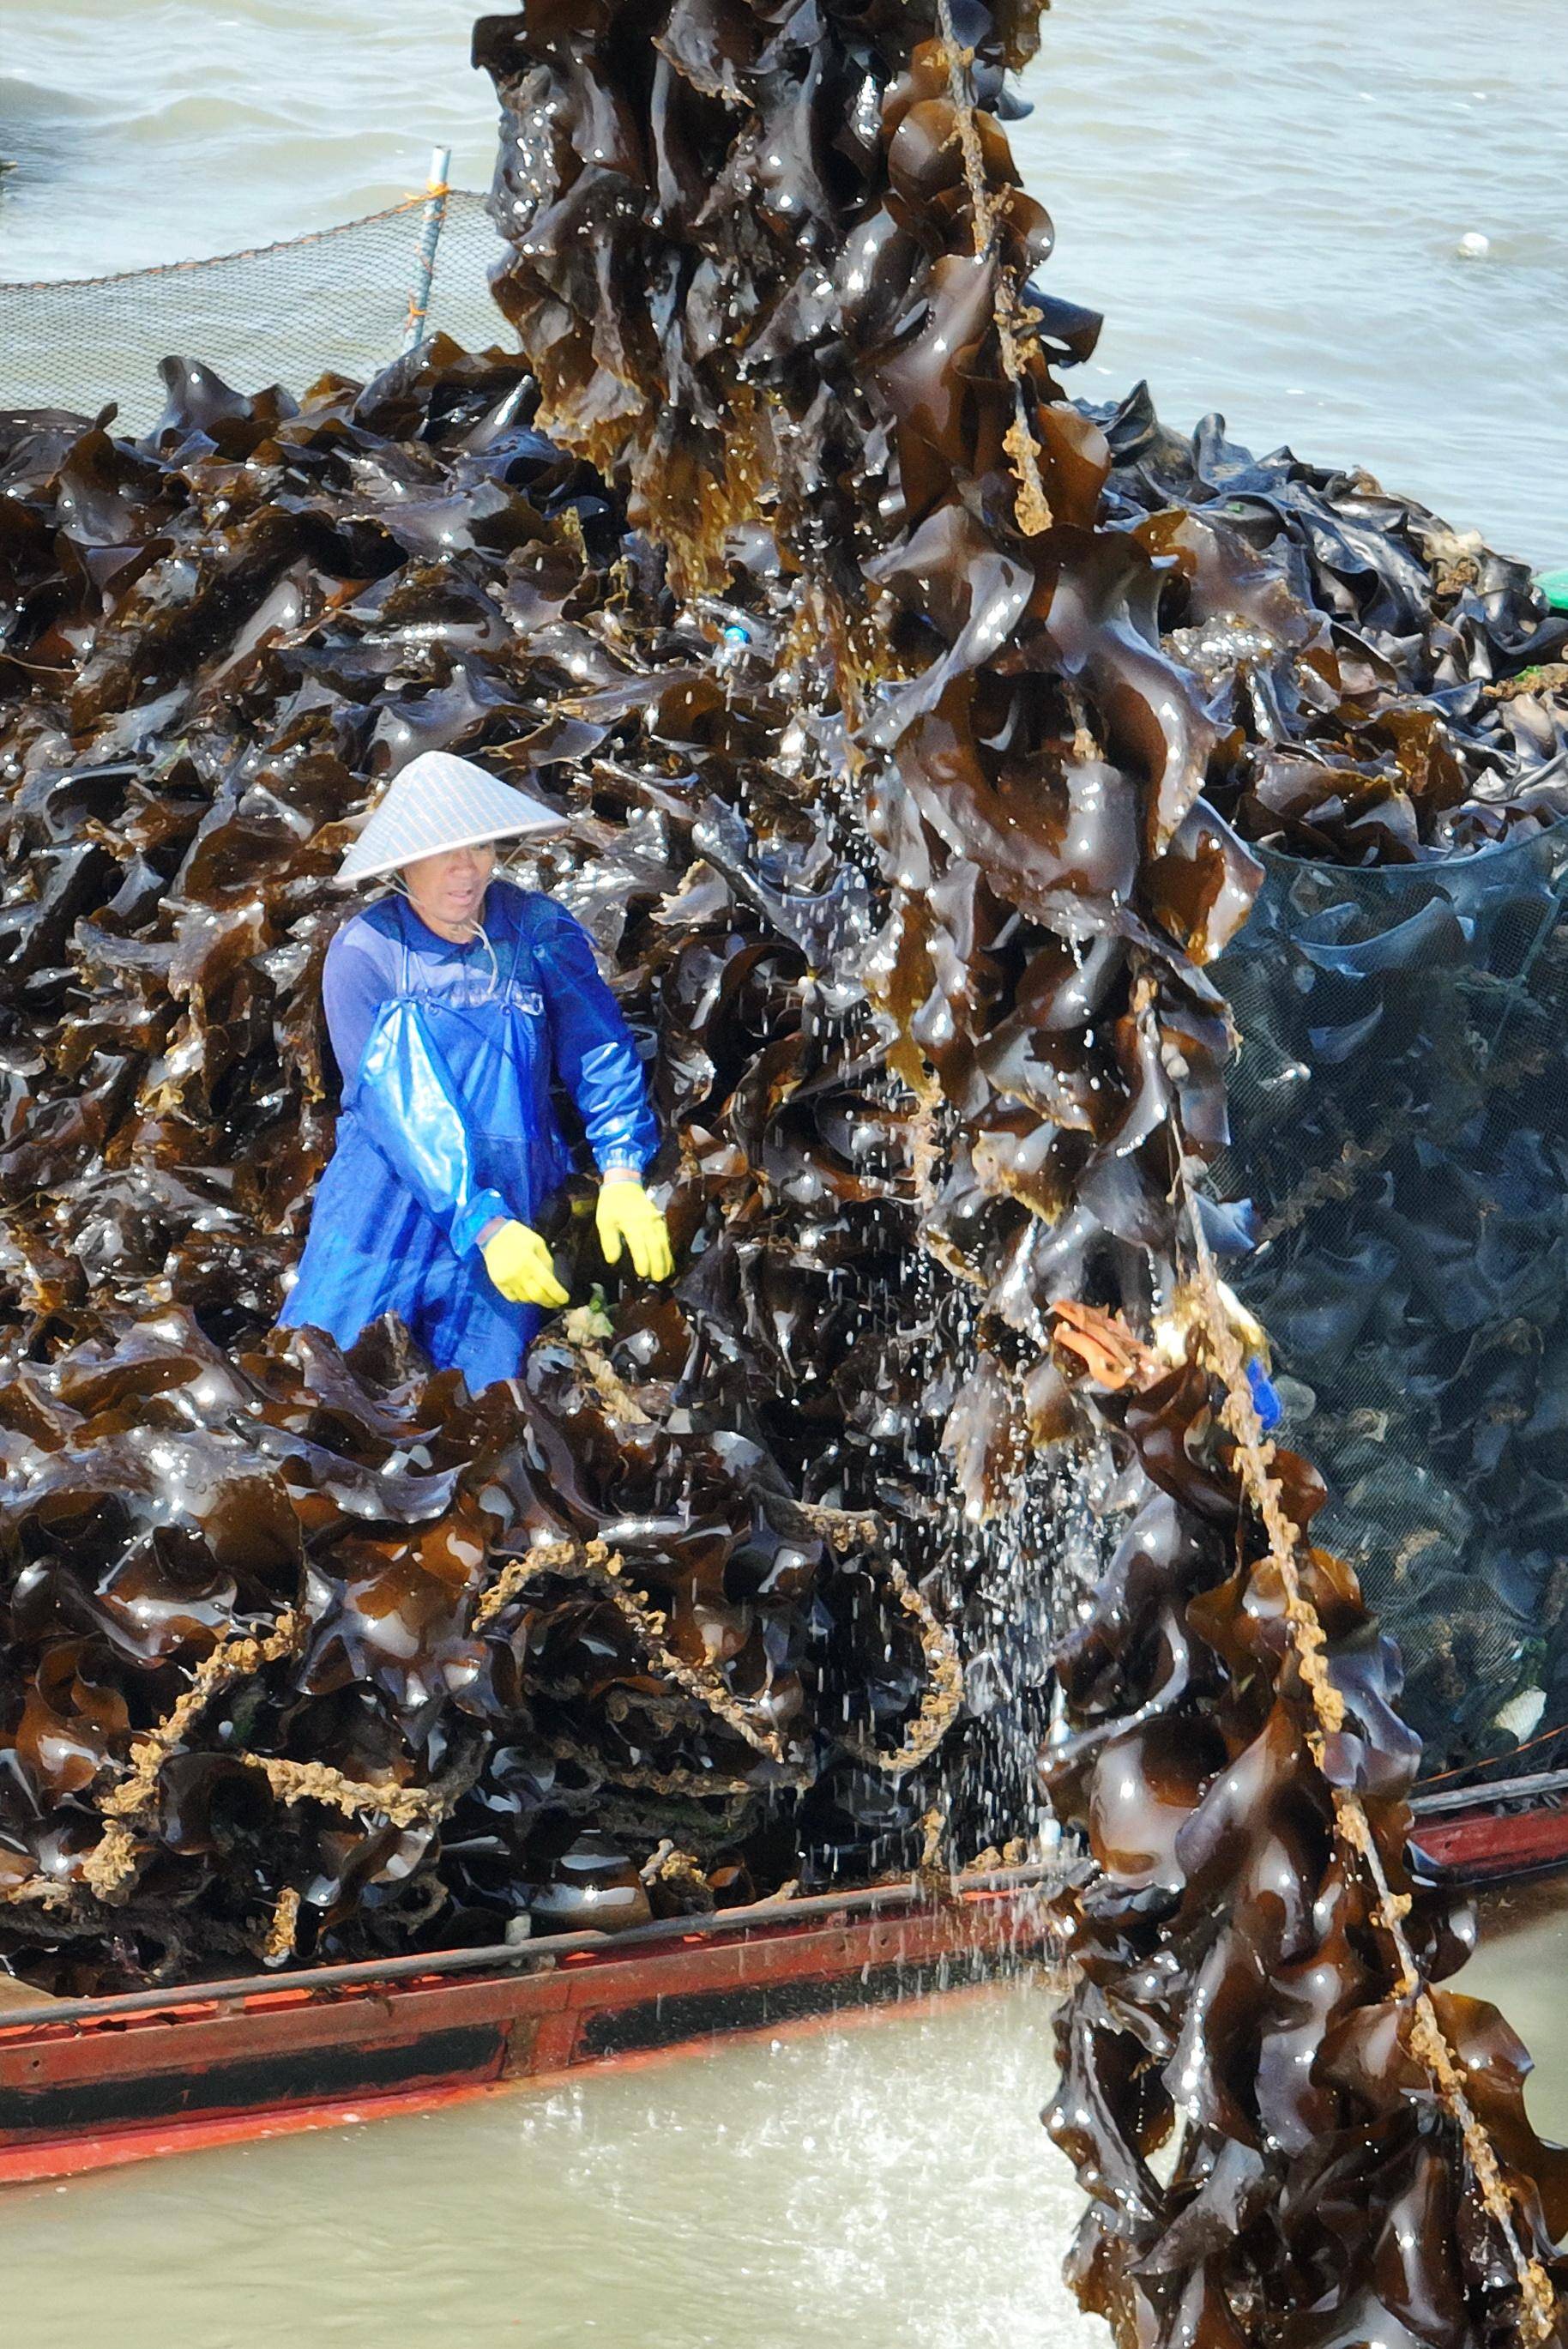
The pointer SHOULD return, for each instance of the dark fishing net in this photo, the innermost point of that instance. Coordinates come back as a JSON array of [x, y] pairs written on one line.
[[1398, 1110]]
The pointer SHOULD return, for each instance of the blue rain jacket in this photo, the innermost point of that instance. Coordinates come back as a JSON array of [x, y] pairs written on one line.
[[446, 1120]]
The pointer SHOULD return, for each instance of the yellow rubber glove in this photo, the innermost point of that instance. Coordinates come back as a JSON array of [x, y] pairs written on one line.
[[519, 1263], [626, 1213]]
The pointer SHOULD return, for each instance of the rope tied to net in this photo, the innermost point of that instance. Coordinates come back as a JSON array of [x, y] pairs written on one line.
[[1032, 507], [1427, 2041]]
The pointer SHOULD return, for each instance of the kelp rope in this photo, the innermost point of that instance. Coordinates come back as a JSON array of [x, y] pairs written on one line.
[[1428, 2042], [247, 253], [113, 1860], [1239, 1413], [1255, 1452], [1014, 325]]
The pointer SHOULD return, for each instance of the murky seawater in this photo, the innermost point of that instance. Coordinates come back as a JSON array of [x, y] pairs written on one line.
[[1266, 201], [1523, 1966], [881, 2181]]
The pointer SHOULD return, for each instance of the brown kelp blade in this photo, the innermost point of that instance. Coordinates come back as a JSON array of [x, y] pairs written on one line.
[[1091, 670]]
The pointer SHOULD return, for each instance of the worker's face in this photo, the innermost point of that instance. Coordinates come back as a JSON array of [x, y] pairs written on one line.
[[448, 890]]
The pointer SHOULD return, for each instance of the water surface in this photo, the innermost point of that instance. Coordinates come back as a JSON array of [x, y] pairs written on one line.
[[879, 2182], [1267, 202], [882, 2182]]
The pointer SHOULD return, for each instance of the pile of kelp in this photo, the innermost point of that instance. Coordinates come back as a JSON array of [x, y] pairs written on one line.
[[866, 665], [1389, 691], [775, 259], [307, 1654]]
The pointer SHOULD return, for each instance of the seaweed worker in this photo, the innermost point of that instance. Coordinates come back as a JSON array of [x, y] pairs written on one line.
[[452, 1003]]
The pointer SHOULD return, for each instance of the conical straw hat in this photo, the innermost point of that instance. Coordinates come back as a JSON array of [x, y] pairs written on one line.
[[441, 801]]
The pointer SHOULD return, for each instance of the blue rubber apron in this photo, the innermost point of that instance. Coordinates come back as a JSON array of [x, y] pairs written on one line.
[[373, 1247]]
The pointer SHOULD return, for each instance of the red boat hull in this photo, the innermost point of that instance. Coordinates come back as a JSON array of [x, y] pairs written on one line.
[[102, 2082], [1488, 1834], [123, 2081]]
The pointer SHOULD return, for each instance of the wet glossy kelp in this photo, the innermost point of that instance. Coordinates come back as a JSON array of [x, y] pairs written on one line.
[[950, 691], [775, 259], [456, 1660]]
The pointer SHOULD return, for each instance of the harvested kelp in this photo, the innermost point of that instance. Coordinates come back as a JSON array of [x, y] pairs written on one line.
[[457, 1660], [909, 802], [1398, 1121], [788, 250]]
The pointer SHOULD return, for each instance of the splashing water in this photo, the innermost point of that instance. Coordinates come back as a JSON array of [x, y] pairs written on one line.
[[885, 2178]]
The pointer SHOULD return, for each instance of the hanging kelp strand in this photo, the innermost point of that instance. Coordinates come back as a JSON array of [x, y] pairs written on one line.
[[1107, 664], [929, 749]]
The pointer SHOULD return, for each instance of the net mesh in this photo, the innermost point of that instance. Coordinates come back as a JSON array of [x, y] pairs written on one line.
[[1400, 1123], [286, 314]]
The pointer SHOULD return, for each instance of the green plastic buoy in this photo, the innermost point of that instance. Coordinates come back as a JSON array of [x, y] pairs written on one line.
[[1553, 585]]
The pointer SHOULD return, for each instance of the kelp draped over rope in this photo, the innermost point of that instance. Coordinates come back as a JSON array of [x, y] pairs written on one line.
[[303, 1653], [773, 259], [309, 1654]]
